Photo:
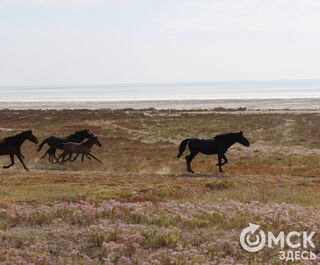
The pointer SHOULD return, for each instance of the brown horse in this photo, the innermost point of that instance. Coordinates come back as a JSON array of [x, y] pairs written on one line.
[[83, 149], [12, 146], [56, 142]]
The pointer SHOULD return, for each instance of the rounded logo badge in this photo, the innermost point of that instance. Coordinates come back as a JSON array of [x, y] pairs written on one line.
[[249, 244]]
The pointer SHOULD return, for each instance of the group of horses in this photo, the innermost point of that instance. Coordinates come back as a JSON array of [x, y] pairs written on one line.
[[81, 142], [77, 143]]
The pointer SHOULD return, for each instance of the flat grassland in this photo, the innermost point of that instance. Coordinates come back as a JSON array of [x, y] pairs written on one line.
[[140, 206]]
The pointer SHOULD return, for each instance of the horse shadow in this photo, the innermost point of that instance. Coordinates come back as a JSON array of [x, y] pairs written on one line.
[[203, 175]]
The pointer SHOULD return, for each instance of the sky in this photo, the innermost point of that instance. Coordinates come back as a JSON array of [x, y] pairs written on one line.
[[80, 42]]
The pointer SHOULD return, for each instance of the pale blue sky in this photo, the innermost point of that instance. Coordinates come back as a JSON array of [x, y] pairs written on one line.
[[63, 42]]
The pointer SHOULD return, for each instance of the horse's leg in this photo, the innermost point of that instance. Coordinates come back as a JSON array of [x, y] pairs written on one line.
[[220, 162], [89, 154], [21, 160], [53, 158], [21, 155], [12, 162], [59, 159], [45, 154], [50, 159], [70, 158], [53, 154], [85, 155], [75, 158], [63, 157], [189, 159], [67, 157], [225, 160]]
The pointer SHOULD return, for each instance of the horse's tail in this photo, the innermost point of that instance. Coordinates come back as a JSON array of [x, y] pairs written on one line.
[[182, 147], [42, 144]]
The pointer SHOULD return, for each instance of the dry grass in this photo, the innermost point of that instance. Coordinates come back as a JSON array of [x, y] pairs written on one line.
[[140, 205]]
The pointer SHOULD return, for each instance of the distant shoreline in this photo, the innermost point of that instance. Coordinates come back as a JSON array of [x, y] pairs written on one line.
[[249, 104]]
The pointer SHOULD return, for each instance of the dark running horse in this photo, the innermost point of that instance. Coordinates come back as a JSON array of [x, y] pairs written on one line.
[[12, 146], [218, 145], [55, 143]]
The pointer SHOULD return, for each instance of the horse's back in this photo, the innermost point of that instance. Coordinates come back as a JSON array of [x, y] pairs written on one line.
[[57, 138], [67, 146], [54, 141], [7, 146], [71, 147], [205, 146], [202, 141]]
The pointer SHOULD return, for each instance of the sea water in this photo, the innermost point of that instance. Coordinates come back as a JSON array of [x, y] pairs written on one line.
[[290, 89]]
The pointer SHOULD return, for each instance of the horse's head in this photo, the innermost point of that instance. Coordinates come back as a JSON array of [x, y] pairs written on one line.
[[96, 141], [243, 140], [29, 136]]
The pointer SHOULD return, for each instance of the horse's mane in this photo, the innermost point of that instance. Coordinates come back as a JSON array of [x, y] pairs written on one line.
[[76, 132], [17, 135], [224, 135]]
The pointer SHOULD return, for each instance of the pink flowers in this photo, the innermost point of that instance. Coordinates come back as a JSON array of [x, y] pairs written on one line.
[[143, 233]]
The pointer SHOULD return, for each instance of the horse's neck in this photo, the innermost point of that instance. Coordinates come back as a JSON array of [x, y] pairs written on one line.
[[76, 138], [88, 144], [20, 139], [229, 142]]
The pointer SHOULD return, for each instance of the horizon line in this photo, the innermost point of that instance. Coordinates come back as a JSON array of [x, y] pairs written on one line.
[[146, 84]]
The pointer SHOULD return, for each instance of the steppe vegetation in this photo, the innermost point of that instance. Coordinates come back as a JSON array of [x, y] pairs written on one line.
[[140, 206]]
